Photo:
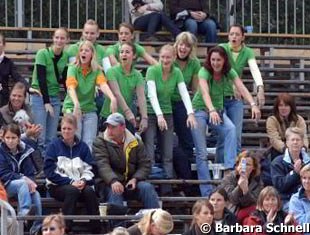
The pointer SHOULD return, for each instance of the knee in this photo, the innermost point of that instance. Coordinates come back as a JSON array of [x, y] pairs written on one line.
[[72, 192], [210, 24], [145, 187]]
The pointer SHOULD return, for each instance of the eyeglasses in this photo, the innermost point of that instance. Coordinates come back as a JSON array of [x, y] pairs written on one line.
[[49, 229]]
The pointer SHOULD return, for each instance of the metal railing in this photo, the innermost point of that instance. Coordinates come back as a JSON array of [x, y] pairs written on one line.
[[266, 16]]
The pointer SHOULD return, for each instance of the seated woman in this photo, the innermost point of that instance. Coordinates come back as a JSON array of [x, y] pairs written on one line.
[[69, 173], [148, 16], [268, 211], [299, 204], [17, 173], [53, 225], [223, 216], [243, 185], [285, 168], [284, 116], [203, 213], [154, 222]]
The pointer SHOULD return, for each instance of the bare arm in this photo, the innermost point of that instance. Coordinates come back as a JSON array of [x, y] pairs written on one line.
[[149, 59], [104, 87]]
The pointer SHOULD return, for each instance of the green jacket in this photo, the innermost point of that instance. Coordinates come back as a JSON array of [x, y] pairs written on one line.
[[116, 164]]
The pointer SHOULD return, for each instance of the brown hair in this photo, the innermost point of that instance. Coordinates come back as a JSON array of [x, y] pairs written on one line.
[[20, 86], [12, 127], [91, 22], [271, 192], [69, 118], [197, 208], [287, 99], [223, 54], [304, 170], [254, 156], [161, 218], [63, 29], [93, 63], [57, 218], [131, 45], [126, 25], [237, 26]]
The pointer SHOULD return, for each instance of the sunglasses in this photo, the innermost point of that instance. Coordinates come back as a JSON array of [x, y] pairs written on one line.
[[49, 228]]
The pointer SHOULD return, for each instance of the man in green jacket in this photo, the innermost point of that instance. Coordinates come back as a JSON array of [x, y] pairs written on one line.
[[123, 164]]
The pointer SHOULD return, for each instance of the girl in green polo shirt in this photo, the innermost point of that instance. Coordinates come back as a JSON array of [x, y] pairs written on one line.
[[82, 78], [126, 82], [189, 64], [49, 72], [162, 80], [214, 78], [239, 56], [126, 34]]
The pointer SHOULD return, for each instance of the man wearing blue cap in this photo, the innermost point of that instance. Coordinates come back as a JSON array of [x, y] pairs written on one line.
[[123, 164]]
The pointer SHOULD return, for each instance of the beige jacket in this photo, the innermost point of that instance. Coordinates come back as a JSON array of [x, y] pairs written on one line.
[[276, 132], [153, 5]]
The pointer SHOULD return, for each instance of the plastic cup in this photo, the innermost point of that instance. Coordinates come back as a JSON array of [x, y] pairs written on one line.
[[216, 171], [103, 209], [249, 29]]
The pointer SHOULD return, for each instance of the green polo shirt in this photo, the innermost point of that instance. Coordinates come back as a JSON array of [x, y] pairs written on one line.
[[164, 89], [45, 57], [100, 51], [115, 50], [85, 90], [127, 84], [216, 89], [189, 71]]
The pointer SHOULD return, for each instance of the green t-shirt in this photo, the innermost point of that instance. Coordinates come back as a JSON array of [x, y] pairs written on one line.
[[164, 89], [238, 64], [115, 50], [191, 69], [100, 52], [216, 89], [45, 57], [127, 84], [85, 90]]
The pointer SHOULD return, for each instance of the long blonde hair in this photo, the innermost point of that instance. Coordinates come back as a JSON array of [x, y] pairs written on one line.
[[93, 63], [161, 218], [187, 38]]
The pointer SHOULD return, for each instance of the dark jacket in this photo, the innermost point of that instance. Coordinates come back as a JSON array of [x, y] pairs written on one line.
[[260, 218], [134, 230], [229, 219], [176, 6], [64, 164], [235, 195], [8, 70], [195, 230], [13, 167], [284, 178], [116, 164]]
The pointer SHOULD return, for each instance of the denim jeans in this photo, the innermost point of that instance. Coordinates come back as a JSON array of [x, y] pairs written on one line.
[[153, 22], [165, 142], [19, 188], [144, 192], [184, 150], [49, 124], [87, 128], [206, 27], [199, 138], [234, 110]]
